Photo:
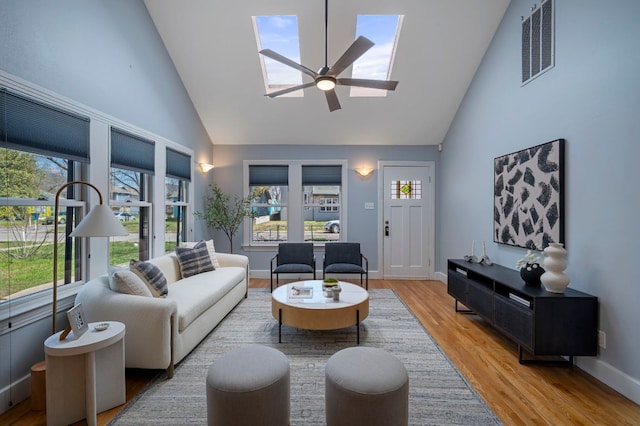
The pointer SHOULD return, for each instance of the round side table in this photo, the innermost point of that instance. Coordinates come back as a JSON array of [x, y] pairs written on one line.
[[85, 376]]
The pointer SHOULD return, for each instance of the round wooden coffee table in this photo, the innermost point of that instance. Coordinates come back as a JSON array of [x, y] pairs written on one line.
[[311, 310]]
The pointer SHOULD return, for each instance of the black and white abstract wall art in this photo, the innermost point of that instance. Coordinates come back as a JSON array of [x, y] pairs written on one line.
[[528, 196]]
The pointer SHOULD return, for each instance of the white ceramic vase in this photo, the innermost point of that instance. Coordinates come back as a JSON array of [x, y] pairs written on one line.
[[554, 279]]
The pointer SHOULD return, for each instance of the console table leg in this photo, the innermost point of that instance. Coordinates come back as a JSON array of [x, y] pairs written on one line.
[[280, 325], [358, 326], [534, 360], [463, 311]]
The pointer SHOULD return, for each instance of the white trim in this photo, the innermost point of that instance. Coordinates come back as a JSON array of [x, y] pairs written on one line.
[[34, 307], [611, 376], [18, 390]]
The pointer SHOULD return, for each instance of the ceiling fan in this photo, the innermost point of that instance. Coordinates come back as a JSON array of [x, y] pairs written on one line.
[[326, 78]]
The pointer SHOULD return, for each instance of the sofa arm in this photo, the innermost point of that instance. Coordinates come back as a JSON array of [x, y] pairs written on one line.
[[238, 260], [227, 259], [148, 321]]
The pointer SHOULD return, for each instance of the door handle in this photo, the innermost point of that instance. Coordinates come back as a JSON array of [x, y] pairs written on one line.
[[386, 228]]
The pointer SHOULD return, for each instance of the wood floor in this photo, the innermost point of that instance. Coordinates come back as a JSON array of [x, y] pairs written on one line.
[[518, 394]]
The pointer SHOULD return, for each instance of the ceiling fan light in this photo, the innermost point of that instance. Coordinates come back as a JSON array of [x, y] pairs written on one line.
[[325, 83]]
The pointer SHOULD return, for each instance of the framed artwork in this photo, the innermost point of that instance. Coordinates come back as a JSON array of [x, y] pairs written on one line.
[[529, 196]]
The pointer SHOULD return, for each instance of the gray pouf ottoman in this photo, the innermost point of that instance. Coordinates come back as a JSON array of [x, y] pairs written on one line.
[[366, 386], [249, 386]]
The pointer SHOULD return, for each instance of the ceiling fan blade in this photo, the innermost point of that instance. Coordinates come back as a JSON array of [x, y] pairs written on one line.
[[357, 49], [283, 59], [332, 100], [372, 84], [290, 89]]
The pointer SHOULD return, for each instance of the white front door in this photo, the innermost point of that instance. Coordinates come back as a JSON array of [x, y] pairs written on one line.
[[408, 220]]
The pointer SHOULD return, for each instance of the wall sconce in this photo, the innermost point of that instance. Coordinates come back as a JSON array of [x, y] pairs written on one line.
[[363, 171], [206, 167]]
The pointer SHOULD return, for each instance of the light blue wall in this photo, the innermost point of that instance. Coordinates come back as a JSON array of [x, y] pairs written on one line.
[[108, 56], [591, 98], [363, 226]]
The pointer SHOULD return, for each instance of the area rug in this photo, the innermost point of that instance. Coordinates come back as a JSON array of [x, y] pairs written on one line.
[[438, 394]]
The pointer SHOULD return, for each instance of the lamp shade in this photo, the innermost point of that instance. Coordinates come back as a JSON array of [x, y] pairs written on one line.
[[100, 222]]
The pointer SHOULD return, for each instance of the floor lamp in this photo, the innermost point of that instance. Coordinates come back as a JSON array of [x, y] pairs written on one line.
[[99, 222]]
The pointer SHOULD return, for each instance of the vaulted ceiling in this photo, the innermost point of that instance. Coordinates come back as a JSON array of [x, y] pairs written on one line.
[[213, 46]]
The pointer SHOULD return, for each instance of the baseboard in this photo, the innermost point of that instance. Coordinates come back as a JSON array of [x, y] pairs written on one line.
[[611, 376], [441, 276], [15, 393]]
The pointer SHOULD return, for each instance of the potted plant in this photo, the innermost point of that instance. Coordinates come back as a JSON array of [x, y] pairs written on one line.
[[223, 214]]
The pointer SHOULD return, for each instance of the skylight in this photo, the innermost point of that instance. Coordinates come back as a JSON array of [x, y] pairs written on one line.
[[376, 64], [280, 34]]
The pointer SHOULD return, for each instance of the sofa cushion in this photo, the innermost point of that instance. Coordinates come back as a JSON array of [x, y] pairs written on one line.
[[195, 294], [194, 260], [125, 281], [210, 248], [152, 277]]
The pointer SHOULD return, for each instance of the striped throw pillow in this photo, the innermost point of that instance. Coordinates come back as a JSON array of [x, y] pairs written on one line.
[[152, 277], [194, 260], [210, 247]]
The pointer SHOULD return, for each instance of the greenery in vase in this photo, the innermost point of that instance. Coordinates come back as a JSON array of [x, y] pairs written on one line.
[[531, 260]]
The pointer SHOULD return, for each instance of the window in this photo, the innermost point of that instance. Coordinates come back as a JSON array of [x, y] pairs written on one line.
[[41, 149], [295, 201], [329, 205], [269, 190], [377, 62], [132, 168], [321, 187], [280, 34], [406, 190], [177, 202]]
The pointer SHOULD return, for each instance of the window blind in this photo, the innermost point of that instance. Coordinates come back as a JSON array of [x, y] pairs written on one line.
[[178, 165], [132, 152], [267, 175], [32, 126], [321, 175]]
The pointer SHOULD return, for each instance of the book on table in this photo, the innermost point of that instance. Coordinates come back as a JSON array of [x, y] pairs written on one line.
[[300, 292]]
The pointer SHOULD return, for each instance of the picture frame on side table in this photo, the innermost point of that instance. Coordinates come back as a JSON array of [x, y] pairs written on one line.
[[77, 321], [529, 196]]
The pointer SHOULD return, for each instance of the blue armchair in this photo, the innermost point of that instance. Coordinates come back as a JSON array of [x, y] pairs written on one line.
[[293, 258], [345, 258]]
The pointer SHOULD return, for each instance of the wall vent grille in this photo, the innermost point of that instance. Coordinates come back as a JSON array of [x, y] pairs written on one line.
[[538, 35]]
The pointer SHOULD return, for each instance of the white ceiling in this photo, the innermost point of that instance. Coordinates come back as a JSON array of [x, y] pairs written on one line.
[[213, 46]]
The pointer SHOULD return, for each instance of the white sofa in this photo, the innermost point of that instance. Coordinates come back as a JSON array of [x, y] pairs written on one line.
[[160, 332]]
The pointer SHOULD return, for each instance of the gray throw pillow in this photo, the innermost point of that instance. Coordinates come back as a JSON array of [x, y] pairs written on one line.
[[152, 276], [194, 260]]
